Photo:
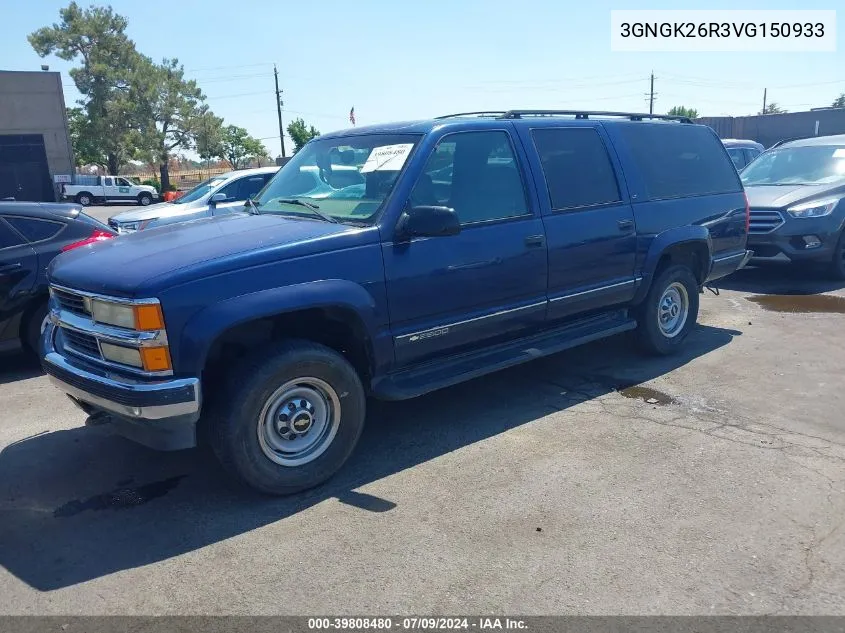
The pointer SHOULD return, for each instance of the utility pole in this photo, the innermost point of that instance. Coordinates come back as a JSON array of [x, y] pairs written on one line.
[[651, 96], [279, 108], [764, 102]]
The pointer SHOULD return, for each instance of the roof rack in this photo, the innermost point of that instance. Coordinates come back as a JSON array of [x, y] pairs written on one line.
[[497, 113], [586, 114], [578, 114]]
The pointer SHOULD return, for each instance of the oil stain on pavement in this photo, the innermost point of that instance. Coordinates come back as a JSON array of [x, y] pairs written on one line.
[[647, 394], [801, 303], [119, 498]]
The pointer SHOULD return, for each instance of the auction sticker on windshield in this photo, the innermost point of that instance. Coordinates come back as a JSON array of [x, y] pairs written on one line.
[[387, 158]]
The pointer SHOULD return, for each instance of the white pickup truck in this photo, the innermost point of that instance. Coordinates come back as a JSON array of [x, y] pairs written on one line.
[[110, 189]]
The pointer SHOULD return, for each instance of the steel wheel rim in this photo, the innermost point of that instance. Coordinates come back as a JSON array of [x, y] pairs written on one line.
[[145, 201], [673, 309], [299, 421], [85, 201]]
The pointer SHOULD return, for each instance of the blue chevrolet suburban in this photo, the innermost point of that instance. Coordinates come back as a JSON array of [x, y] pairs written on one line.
[[470, 243]]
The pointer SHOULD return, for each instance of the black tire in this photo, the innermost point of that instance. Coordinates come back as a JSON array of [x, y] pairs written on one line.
[[651, 336], [84, 198], [836, 268], [235, 421], [145, 199], [31, 329]]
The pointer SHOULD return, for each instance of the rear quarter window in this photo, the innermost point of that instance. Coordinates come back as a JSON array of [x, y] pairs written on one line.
[[678, 160], [35, 230]]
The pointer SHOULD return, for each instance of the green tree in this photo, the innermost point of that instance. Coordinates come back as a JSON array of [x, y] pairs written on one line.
[[300, 134], [208, 138], [172, 112], [839, 102], [86, 151], [683, 111], [238, 147], [772, 108], [97, 38]]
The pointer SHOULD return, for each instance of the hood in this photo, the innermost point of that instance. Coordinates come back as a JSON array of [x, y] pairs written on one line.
[[142, 263], [782, 196], [156, 211]]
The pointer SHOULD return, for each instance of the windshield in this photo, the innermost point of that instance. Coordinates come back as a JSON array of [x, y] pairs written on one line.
[[817, 165], [345, 178], [200, 190]]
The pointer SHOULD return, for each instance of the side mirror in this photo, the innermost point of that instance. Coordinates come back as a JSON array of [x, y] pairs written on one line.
[[217, 197], [428, 221]]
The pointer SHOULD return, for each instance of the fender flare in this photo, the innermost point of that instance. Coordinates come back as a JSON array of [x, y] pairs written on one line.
[[689, 234], [202, 329]]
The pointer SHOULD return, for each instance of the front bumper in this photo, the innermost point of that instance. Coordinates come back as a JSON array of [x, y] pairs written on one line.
[[787, 241], [161, 414]]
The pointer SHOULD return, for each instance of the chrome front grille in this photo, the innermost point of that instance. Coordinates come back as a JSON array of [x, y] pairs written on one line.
[[764, 221], [69, 301], [81, 343]]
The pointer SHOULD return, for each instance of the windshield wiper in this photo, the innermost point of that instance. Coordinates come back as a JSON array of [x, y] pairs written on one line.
[[310, 206], [252, 206]]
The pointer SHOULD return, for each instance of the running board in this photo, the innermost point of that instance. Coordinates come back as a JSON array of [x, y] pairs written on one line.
[[431, 376]]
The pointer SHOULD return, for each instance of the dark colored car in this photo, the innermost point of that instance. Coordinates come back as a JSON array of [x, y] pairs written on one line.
[[472, 243], [742, 151], [31, 235], [797, 213]]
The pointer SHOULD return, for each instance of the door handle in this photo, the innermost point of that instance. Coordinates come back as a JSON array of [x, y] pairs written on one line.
[[535, 241], [7, 268], [625, 225]]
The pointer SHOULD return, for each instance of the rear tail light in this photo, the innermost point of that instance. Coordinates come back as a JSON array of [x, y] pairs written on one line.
[[747, 213], [96, 236]]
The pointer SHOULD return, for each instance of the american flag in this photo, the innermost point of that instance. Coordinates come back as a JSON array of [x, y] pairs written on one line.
[[352, 115]]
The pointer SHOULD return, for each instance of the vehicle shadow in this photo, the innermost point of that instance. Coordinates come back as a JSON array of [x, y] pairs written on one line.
[[79, 504], [18, 366], [780, 279]]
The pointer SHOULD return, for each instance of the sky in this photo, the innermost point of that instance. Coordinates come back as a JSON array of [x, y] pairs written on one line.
[[409, 59]]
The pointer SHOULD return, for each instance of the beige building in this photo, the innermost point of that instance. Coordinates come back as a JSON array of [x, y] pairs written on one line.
[[35, 145]]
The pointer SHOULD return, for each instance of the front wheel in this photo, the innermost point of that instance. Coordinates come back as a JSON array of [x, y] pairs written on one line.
[[145, 199], [290, 418], [669, 311], [837, 263]]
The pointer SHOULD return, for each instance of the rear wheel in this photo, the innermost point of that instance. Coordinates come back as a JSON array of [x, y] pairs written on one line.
[[669, 311], [85, 199], [290, 418], [144, 199], [837, 263]]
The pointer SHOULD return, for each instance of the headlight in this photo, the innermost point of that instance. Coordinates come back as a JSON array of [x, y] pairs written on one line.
[[146, 358], [120, 354], [133, 317], [131, 227], [814, 209]]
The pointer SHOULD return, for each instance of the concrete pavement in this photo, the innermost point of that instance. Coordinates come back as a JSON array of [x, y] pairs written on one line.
[[596, 481]]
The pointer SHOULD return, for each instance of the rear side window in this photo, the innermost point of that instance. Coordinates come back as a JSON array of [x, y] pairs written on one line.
[[35, 230], [737, 156], [8, 237], [577, 168], [751, 154], [677, 159]]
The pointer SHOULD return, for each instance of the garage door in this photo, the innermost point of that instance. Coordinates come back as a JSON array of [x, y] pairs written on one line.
[[23, 168]]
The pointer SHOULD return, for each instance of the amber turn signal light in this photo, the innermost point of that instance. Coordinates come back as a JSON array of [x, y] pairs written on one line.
[[155, 358], [149, 317]]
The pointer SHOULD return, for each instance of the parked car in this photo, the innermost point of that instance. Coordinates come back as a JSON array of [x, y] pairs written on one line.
[[742, 151], [548, 232], [31, 235], [109, 189], [797, 214], [219, 195]]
